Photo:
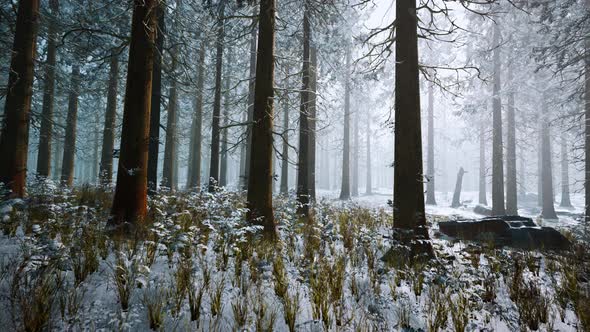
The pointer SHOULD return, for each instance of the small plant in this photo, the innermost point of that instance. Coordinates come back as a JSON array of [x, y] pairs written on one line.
[[291, 306], [240, 310], [460, 312], [123, 277], [281, 280], [195, 297], [154, 300], [215, 297], [437, 308], [403, 316], [489, 287]]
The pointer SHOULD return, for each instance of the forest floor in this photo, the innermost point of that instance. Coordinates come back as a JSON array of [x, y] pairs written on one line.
[[199, 266]]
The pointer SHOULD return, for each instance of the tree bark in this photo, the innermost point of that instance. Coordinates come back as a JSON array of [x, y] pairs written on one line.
[[214, 161], [194, 178], [130, 200], [482, 164], [46, 129], [369, 183], [355, 152], [303, 153], [587, 124], [251, 86], [108, 137], [457, 194], [511, 188], [169, 166], [345, 189], [285, 153], [226, 107], [430, 197], [312, 120], [548, 211], [260, 210], [497, 146], [156, 102], [565, 178], [67, 168], [14, 140]]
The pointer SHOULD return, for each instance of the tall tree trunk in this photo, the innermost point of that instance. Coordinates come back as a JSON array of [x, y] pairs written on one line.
[[130, 200], [194, 178], [482, 164], [169, 167], [285, 153], [457, 194], [540, 165], [303, 153], [565, 178], [312, 120], [521, 176], [67, 167], [156, 101], [226, 107], [57, 152], [214, 161], [408, 200], [548, 211], [355, 158], [95, 161], [44, 152], [260, 181], [369, 183], [251, 86], [345, 189], [497, 146], [14, 140], [108, 137], [511, 189], [430, 198], [587, 124]]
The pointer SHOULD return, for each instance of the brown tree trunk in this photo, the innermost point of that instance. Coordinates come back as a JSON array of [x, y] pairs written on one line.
[[497, 146], [14, 140], [511, 188], [110, 118], [214, 162], [408, 200], [303, 153], [260, 210], [156, 102], [130, 201], [565, 178], [169, 167], [369, 183], [548, 211], [251, 85], [44, 152], [312, 120], [67, 166], [345, 189], [457, 194], [430, 198], [226, 106], [194, 178], [285, 153]]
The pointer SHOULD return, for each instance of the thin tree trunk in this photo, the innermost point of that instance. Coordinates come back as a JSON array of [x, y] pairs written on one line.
[[95, 161], [57, 152], [565, 178], [540, 166], [312, 120], [408, 201], [260, 210], [226, 107], [457, 194], [355, 158], [430, 198], [303, 153], [67, 168], [548, 211], [345, 189], [108, 137], [194, 178], [14, 140], [521, 176], [369, 183], [169, 167], [214, 161], [251, 86], [44, 152], [156, 102], [130, 200], [285, 153], [511, 189], [497, 146], [482, 165]]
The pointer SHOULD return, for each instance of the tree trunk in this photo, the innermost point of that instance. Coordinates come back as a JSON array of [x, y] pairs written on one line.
[[95, 161], [408, 201], [214, 161], [548, 211], [130, 200], [521, 176], [303, 153], [108, 137], [67, 167], [194, 178], [369, 184], [511, 189], [497, 146], [587, 124], [44, 153], [355, 158], [565, 178], [345, 189], [260, 210], [251, 86], [430, 198], [457, 194], [313, 72], [169, 167], [14, 140], [285, 153], [482, 164], [226, 107], [540, 165], [156, 102]]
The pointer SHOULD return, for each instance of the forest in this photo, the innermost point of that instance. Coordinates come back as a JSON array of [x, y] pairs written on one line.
[[295, 165]]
